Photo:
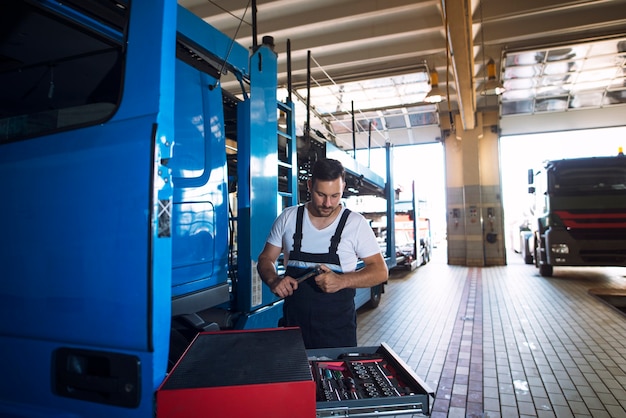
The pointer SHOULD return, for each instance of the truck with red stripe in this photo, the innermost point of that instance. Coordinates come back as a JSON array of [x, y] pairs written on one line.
[[579, 213]]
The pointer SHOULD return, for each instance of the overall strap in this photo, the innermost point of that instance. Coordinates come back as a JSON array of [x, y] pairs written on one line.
[[334, 241], [297, 236]]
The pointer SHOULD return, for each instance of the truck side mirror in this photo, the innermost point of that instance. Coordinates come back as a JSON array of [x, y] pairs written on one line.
[[531, 176], [531, 189]]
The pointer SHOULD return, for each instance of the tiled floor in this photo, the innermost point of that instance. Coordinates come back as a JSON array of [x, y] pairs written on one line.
[[504, 341]]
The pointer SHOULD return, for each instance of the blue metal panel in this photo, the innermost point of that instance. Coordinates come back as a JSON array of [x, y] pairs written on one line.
[[83, 227], [97, 208], [257, 173], [391, 210]]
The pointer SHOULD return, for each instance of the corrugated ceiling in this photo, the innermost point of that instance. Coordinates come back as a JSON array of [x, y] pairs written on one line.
[[553, 56]]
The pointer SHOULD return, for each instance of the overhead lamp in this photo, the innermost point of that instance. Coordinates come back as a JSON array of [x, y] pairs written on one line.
[[436, 95], [282, 120], [492, 87]]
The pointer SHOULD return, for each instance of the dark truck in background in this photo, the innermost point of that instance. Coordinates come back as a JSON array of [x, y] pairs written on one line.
[[578, 213]]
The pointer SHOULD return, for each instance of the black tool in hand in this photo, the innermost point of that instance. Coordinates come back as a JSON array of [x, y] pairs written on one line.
[[317, 270]]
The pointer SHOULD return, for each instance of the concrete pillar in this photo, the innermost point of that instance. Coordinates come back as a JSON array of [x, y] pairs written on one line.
[[475, 226]]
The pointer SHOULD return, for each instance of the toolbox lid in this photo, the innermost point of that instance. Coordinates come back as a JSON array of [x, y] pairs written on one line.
[[230, 358]]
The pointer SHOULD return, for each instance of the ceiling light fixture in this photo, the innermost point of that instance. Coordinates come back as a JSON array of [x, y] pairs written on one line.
[[492, 87], [436, 95]]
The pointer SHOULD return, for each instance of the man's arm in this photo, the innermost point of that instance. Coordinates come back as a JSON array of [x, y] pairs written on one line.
[[266, 267], [374, 272]]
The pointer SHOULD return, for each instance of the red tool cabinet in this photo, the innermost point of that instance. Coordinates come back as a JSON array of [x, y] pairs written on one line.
[[268, 373]]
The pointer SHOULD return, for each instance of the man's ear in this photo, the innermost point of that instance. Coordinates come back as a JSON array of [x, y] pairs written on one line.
[[309, 185]]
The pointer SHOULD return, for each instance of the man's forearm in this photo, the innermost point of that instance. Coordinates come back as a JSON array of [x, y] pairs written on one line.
[[268, 273]]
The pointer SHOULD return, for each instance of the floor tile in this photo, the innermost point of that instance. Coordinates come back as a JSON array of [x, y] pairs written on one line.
[[503, 341]]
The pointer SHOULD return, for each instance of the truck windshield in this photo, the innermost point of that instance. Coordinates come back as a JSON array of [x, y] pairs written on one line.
[[61, 65], [589, 180]]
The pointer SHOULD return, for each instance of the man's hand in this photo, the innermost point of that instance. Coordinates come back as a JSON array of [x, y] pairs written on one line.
[[374, 273], [284, 286], [328, 280]]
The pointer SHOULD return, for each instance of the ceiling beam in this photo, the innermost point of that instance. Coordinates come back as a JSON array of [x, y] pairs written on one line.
[[457, 16]]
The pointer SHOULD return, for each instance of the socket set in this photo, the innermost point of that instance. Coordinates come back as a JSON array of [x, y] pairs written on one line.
[[363, 378], [366, 382]]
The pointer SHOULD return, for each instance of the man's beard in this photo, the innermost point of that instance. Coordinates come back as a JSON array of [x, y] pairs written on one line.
[[324, 211]]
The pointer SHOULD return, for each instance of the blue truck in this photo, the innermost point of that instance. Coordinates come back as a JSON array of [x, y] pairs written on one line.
[[138, 194]]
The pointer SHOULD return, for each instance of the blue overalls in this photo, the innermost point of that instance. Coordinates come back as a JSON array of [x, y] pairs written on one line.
[[326, 319]]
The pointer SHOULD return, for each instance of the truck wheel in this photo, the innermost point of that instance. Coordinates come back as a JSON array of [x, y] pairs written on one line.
[[537, 253], [525, 249], [546, 270], [528, 259], [374, 297]]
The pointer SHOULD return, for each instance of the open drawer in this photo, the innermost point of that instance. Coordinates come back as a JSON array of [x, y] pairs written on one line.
[[366, 382]]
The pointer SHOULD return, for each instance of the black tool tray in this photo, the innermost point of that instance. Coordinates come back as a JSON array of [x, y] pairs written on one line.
[[366, 382]]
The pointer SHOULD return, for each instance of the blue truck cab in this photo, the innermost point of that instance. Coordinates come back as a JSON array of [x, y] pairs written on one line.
[[113, 151], [138, 195]]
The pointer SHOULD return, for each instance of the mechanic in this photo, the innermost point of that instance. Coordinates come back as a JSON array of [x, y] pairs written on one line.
[[322, 235]]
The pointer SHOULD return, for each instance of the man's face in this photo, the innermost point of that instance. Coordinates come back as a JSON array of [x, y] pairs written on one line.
[[325, 196]]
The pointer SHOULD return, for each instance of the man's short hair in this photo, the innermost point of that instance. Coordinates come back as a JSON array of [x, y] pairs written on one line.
[[327, 169]]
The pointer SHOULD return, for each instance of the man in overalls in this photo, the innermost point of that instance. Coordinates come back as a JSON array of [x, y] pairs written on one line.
[[321, 234]]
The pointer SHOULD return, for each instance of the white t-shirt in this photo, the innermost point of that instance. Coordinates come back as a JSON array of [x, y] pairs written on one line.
[[357, 240]]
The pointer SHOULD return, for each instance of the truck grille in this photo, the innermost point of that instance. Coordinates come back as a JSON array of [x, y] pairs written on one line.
[[606, 257], [592, 220], [582, 234]]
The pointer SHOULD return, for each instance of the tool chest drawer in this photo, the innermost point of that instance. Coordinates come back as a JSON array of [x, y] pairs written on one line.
[[366, 382]]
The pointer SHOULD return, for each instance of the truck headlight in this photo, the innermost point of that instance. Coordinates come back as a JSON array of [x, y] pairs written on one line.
[[559, 248]]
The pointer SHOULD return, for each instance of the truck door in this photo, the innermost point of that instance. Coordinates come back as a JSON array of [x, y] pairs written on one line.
[[200, 209]]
